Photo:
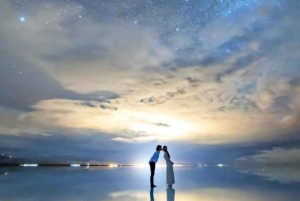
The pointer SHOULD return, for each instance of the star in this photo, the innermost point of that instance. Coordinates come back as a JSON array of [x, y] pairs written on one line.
[[22, 19]]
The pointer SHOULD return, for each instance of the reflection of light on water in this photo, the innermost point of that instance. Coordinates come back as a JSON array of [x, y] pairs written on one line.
[[207, 194], [29, 165], [164, 165]]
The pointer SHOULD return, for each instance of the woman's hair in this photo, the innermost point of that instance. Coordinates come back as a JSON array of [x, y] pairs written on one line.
[[165, 148]]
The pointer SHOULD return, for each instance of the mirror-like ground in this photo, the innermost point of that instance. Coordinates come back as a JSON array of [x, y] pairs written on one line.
[[132, 184]]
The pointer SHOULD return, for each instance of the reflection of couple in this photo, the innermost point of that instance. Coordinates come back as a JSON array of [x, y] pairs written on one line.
[[170, 194], [170, 173]]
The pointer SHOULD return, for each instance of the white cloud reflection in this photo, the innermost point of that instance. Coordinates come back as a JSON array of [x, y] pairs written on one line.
[[209, 194], [278, 164]]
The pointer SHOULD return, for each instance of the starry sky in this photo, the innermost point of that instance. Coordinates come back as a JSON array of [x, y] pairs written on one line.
[[215, 80]]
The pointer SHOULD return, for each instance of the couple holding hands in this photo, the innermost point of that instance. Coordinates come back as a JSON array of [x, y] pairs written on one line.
[[170, 172]]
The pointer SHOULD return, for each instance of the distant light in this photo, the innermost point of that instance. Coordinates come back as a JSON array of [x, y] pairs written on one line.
[[163, 165], [179, 165], [29, 165], [112, 165], [22, 19], [75, 165], [220, 165], [10, 157], [141, 165], [6, 173]]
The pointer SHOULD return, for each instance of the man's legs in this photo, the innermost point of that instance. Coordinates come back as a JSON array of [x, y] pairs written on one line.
[[152, 170]]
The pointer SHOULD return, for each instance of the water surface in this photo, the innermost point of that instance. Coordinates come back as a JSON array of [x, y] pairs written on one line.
[[132, 184]]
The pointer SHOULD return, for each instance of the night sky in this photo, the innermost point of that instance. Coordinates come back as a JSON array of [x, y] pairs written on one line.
[[108, 80]]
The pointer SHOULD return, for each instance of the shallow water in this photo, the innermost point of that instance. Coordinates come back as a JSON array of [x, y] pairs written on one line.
[[132, 184]]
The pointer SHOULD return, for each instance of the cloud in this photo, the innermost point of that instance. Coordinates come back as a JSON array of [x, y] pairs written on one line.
[[23, 80], [276, 156], [229, 82]]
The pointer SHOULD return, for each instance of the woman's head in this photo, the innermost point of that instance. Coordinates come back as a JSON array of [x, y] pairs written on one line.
[[165, 148]]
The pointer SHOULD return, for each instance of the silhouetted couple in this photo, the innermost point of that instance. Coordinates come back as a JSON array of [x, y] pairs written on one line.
[[170, 172]]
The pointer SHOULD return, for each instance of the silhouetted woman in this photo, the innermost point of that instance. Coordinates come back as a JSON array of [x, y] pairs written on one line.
[[170, 171]]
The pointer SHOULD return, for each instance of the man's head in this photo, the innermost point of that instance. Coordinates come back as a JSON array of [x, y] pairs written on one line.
[[158, 148]]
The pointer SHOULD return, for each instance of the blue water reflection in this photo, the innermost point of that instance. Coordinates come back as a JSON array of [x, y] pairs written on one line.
[[170, 194], [132, 183]]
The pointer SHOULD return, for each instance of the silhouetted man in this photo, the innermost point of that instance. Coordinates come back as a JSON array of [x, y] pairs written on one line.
[[152, 163]]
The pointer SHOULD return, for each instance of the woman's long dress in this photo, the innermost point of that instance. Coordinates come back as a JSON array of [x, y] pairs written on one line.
[[170, 171]]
